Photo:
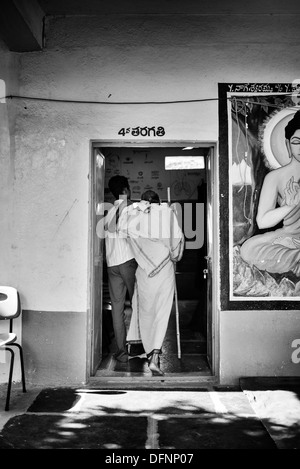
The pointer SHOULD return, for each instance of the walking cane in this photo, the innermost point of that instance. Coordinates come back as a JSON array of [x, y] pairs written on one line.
[[175, 296]]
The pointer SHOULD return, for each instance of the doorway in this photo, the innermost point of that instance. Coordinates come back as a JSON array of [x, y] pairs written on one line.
[[189, 348]]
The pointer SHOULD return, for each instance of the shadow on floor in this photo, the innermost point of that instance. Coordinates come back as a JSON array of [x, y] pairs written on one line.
[[73, 418]]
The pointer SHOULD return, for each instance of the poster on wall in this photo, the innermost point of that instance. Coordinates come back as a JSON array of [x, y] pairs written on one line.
[[145, 170], [260, 193]]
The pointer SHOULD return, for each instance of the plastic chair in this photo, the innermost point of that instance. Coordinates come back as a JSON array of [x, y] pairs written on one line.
[[10, 308]]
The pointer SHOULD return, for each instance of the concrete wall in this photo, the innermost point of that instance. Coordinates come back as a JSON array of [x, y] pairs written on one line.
[[9, 66], [115, 58], [259, 343]]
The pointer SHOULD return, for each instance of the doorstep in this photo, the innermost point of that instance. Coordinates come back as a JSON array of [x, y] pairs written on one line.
[[188, 381]]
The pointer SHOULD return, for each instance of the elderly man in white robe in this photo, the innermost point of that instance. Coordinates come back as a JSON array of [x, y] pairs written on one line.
[[157, 242]]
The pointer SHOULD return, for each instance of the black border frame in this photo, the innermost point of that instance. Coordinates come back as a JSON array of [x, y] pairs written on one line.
[[225, 302]]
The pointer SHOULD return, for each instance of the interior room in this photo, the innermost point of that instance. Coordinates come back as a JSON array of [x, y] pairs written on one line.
[[181, 172]]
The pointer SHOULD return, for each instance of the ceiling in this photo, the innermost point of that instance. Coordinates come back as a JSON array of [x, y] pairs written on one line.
[[22, 22], [193, 7]]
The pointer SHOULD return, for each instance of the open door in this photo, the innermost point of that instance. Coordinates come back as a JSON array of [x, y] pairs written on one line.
[[195, 273], [209, 249], [97, 260]]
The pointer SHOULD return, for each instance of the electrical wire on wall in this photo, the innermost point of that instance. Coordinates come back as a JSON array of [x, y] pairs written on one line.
[[183, 101], [76, 101]]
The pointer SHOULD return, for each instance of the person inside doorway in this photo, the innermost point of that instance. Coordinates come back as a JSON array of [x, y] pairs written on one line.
[[121, 264], [157, 242]]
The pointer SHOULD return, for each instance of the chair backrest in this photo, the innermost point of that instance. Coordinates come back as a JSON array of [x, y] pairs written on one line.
[[10, 305]]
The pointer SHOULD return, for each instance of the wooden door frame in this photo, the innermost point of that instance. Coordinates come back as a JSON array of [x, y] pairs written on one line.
[[215, 238]]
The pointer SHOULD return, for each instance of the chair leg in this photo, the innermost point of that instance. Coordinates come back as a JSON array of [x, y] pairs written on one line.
[[22, 365], [10, 377]]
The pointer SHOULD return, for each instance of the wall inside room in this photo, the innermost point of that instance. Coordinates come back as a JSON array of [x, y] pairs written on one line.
[[145, 169]]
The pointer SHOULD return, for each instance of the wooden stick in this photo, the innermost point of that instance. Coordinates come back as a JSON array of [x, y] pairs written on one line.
[[177, 317], [169, 196], [175, 295]]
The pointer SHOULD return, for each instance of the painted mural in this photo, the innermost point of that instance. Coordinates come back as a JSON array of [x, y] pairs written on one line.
[[264, 193]]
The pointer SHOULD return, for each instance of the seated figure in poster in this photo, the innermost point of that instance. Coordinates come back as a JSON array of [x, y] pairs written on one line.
[[278, 251]]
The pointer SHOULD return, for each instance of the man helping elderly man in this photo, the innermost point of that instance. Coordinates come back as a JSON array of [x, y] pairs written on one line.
[[157, 242]]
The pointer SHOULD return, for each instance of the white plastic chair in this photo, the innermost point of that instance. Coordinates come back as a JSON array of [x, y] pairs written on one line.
[[10, 308]]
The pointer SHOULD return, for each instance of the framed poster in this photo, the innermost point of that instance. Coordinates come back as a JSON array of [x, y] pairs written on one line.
[[259, 132]]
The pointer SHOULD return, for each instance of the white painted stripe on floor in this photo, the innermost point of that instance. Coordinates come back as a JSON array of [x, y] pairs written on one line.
[[219, 407], [152, 434], [77, 407]]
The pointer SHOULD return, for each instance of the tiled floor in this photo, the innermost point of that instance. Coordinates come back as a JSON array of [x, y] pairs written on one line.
[[85, 418], [192, 349], [262, 415]]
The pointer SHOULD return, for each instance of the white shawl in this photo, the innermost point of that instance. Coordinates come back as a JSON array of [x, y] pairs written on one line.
[[154, 234]]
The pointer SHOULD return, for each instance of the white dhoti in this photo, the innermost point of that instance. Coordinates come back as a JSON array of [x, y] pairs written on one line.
[[157, 242], [151, 307]]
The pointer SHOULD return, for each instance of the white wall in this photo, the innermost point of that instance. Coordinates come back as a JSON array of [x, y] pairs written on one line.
[[115, 59], [8, 85]]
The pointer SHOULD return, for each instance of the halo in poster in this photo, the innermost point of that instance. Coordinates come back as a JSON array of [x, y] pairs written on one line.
[[273, 139]]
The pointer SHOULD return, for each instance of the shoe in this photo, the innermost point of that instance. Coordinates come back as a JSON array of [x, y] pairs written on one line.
[[121, 357]]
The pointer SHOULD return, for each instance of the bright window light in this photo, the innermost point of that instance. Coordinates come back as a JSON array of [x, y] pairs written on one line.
[[184, 162], [2, 91]]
